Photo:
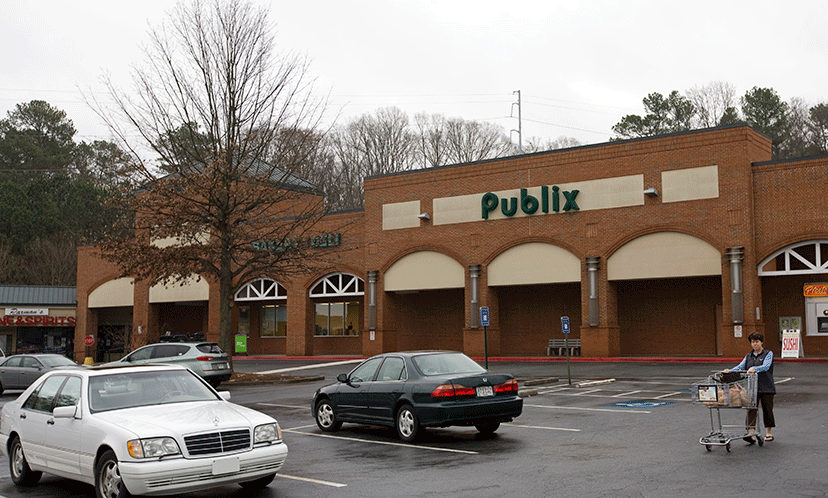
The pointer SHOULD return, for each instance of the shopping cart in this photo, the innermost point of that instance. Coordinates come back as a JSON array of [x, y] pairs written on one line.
[[732, 390]]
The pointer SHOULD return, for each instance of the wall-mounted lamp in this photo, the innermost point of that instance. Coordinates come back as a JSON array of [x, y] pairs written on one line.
[[651, 192], [424, 216]]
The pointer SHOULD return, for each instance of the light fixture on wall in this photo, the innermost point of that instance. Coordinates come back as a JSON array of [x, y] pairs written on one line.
[[651, 192], [424, 216]]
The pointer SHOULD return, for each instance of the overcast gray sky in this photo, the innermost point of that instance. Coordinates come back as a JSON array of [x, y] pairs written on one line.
[[580, 66]]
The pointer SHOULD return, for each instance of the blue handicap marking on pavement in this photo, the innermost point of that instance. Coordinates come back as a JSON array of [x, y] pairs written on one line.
[[641, 404]]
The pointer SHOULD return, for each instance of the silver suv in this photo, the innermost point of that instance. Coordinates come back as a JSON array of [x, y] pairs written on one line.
[[204, 358]]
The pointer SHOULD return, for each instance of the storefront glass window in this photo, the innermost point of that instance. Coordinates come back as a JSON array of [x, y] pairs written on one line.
[[337, 319], [244, 320], [274, 321]]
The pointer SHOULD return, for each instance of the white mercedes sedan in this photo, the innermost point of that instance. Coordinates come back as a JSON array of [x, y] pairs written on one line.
[[137, 430]]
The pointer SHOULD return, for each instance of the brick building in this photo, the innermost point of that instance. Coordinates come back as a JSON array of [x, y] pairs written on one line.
[[674, 245]]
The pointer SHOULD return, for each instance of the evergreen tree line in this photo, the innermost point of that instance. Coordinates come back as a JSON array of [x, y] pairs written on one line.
[[795, 128]]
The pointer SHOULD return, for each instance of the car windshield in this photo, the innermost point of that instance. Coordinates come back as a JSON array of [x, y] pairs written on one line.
[[446, 363], [56, 361], [128, 390]]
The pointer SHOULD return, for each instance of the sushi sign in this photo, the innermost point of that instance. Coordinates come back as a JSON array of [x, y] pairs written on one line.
[[792, 344]]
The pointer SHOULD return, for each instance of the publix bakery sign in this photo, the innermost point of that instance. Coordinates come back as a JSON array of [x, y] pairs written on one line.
[[551, 200]]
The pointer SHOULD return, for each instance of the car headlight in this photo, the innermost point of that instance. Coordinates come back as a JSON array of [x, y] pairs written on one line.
[[267, 433], [153, 448]]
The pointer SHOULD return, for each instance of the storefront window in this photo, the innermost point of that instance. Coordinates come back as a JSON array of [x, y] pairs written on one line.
[[337, 319], [244, 320], [274, 320]]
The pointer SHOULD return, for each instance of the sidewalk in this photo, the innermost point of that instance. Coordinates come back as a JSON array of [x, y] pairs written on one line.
[[554, 359]]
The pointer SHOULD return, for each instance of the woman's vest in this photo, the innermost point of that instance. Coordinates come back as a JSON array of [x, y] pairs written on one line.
[[765, 379]]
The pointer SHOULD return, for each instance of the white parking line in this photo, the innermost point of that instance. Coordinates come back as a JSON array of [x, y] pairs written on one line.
[[305, 367], [388, 443], [626, 394], [669, 394], [786, 379], [555, 407], [285, 406], [544, 428], [581, 393], [314, 481]]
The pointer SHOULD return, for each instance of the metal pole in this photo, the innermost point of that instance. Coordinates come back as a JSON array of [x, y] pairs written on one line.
[[568, 371], [486, 345], [520, 125]]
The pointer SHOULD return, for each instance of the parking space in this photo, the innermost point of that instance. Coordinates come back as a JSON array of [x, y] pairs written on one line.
[[635, 436]]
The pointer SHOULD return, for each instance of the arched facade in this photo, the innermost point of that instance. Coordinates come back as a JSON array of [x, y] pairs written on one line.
[[681, 244]]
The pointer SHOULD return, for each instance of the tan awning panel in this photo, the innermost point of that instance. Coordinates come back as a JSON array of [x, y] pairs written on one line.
[[112, 294], [190, 291], [534, 263], [424, 270], [664, 255]]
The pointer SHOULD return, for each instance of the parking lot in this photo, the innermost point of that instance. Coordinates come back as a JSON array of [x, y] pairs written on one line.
[[619, 429]]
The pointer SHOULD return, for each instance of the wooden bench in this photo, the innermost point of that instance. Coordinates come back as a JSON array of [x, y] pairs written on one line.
[[560, 345]]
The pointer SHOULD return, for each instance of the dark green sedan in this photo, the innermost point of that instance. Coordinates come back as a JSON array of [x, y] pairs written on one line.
[[414, 390]]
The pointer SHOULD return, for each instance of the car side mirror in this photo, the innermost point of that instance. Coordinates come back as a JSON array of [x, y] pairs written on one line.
[[225, 395], [342, 378], [65, 411]]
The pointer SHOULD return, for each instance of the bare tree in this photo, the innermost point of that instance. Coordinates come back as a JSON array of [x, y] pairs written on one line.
[[51, 262], [796, 136], [818, 128], [226, 119], [537, 144], [713, 102], [442, 140], [373, 144]]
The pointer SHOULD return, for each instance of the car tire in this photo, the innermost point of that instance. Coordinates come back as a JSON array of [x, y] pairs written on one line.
[[108, 483], [1, 388], [21, 473], [326, 416], [407, 424], [214, 383], [257, 484], [487, 428]]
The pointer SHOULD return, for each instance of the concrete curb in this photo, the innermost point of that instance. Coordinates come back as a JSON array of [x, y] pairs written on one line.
[[537, 382], [590, 383]]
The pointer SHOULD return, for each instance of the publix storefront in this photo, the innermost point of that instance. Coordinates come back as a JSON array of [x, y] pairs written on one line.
[[673, 245]]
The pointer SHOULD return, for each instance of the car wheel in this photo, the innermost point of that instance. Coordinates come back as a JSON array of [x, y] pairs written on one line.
[[487, 428], [408, 427], [19, 469], [326, 417], [259, 483], [108, 483], [1, 388], [214, 383]]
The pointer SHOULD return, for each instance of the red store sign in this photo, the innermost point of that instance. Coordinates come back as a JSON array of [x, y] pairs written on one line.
[[37, 321], [816, 290]]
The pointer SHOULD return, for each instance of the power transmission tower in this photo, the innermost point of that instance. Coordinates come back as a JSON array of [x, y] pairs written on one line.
[[520, 123]]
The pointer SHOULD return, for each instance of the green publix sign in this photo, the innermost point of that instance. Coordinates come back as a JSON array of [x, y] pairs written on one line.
[[530, 204], [316, 242]]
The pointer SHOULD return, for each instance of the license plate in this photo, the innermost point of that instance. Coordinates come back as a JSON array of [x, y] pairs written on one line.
[[220, 366], [225, 466], [484, 391]]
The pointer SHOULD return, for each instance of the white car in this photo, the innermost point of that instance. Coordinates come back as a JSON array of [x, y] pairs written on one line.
[[137, 430]]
